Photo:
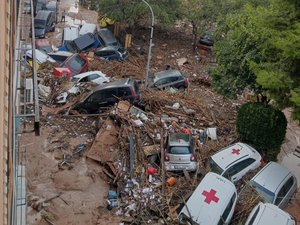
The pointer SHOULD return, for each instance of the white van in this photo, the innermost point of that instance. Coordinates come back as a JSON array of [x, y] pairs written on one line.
[[264, 214], [88, 28], [69, 34], [212, 203]]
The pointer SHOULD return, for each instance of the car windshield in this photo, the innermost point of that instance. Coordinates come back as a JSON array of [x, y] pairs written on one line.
[[71, 46], [39, 24], [27, 4], [179, 150], [77, 63], [215, 167], [267, 195]]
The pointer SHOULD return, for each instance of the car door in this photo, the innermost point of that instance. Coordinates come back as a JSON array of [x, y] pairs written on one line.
[[110, 97], [228, 212], [94, 101], [161, 84], [238, 170], [124, 93], [285, 192], [172, 81]]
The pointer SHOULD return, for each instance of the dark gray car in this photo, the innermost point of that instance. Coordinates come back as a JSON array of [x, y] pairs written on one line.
[[168, 78], [44, 22], [108, 94], [275, 184]]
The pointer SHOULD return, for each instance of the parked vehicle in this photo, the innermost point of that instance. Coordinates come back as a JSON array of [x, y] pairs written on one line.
[[76, 63], [266, 213], [40, 56], [60, 56], [106, 38], [44, 45], [275, 184], [212, 203], [167, 79], [40, 5], [112, 53], [235, 161], [44, 22], [53, 7], [93, 76], [81, 44], [108, 94], [96, 77], [27, 7], [69, 34], [180, 153], [88, 28]]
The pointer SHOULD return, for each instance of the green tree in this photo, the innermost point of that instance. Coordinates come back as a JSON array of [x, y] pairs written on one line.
[[133, 12], [260, 50], [262, 126]]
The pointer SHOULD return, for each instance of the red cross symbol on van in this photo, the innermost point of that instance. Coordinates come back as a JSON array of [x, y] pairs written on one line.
[[236, 151], [210, 196]]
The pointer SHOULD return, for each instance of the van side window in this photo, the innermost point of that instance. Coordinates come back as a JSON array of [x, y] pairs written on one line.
[[254, 216], [227, 210], [284, 190], [234, 169]]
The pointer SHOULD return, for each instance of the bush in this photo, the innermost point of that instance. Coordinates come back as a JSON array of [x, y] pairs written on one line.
[[263, 127]]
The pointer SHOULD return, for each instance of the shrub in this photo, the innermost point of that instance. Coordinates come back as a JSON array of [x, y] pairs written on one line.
[[262, 126]]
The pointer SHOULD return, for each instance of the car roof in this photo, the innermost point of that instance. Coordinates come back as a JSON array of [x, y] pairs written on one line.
[[179, 139], [42, 42], [62, 53], [107, 35], [210, 212], [70, 33], [167, 73], [271, 214], [271, 176], [51, 4], [226, 156], [116, 83], [84, 41], [81, 75], [87, 28]]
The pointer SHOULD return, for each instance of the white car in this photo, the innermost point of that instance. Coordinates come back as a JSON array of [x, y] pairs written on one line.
[[94, 76], [235, 161], [212, 203], [40, 56], [267, 213]]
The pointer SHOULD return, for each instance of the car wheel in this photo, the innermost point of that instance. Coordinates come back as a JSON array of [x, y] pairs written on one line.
[[82, 111], [181, 88], [184, 220]]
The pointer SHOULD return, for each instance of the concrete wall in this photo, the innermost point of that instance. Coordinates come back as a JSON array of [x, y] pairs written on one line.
[[6, 53]]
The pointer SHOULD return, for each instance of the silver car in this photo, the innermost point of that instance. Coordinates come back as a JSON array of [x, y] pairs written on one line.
[[179, 153], [275, 184]]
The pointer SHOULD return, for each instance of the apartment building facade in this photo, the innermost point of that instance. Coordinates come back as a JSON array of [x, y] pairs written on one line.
[[8, 17]]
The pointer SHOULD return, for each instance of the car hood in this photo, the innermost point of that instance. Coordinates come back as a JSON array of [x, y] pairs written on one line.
[[39, 32]]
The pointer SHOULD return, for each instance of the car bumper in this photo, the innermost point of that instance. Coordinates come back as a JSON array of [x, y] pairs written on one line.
[[192, 166]]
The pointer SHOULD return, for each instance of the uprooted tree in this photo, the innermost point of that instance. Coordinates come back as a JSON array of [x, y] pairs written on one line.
[[262, 126]]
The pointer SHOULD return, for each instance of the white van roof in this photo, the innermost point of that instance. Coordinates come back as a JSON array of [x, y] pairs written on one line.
[[70, 33], [207, 203], [226, 156], [269, 214], [87, 28]]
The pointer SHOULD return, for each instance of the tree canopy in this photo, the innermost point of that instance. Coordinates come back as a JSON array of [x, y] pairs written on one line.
[[261, 50]]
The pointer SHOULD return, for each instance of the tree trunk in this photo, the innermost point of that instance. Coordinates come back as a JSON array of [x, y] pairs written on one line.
[[194, 30]]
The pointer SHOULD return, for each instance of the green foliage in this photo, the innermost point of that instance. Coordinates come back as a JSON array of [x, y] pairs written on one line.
[[262, 126], [261, 50], [133, 11]]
